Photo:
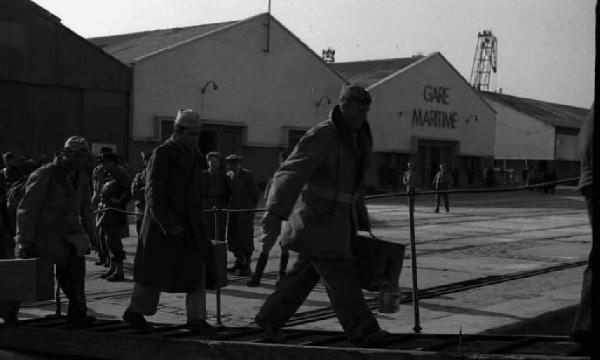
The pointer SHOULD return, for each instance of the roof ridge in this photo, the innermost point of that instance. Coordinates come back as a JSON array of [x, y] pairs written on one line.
[[532, 99], [374, 60], [166, 29]]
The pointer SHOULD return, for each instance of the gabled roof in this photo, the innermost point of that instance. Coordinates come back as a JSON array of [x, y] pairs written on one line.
[[554, 114], [130, 47], [369, 72]]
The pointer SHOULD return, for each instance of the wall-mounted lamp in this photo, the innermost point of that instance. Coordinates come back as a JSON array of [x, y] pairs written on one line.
[[324, 97], [205, 87]]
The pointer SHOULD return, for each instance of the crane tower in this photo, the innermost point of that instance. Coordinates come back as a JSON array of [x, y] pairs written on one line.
[[485, 62]]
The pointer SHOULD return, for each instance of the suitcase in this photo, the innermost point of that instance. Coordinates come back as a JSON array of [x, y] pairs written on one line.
[[379, 262], [26, 279]]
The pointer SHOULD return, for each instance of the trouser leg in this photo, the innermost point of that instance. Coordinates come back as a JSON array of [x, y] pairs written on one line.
[[437, 202], [446, 202], [195, 302], [138, 225], [114, 242], [70, 276], [342, 284], [583, 316], [289, 295], [144, 300], [102, 249]]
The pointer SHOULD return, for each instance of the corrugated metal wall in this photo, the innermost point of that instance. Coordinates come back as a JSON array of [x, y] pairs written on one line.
[[54, 84]]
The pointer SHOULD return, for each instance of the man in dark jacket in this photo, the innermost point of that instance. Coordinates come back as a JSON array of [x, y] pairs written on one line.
[[55, 221], [115, 194], [442, 181], [174, 254], [217, 194], [326, 170], [240, 233], [582, 326]]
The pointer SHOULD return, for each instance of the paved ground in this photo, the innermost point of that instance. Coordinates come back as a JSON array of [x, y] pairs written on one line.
[[491, 234]]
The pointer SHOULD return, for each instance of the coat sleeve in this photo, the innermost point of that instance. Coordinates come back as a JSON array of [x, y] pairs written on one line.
[[157, 188], [124, 180], [362, 214], [87, 215], [310, 152], [137, 187], [36, 190]]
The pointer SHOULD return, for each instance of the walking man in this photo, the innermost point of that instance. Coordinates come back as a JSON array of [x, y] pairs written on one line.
[[174, 254], [442, 181], [240, 233], [217, 194], [55, 221], [324, 176], [138, 188], [115, 194], [410, 178], [582, 326], [268, 241]]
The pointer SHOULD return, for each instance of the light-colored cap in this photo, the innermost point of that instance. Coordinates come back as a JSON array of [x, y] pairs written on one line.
[[213, 153], [188, 118], [234, 157], [76, 143]]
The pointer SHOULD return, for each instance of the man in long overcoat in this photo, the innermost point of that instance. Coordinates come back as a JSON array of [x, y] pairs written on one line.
[[217, 194], [174, 254], [319, 191], [442, 181], [244, 195]]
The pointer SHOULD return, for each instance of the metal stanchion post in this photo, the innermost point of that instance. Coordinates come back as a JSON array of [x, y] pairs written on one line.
[[413, 258], [218, 290], [58, 311]]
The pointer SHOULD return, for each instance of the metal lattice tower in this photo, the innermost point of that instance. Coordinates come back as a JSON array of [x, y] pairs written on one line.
[[485, 62]]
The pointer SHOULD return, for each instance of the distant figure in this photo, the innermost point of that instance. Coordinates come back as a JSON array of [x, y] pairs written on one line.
[[12, 170], [99, 177], [115, 194], [138, 187], [410, 179], [244, 195], [442, 181], [217, 194], [489, 179], [268, 241], [582, 326]]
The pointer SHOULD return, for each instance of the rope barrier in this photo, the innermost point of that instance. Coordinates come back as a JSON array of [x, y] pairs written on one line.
[[388, 195]]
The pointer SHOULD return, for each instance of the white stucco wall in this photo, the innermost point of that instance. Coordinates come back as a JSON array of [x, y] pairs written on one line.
[[519, 136], [397, 99], [266, 91]]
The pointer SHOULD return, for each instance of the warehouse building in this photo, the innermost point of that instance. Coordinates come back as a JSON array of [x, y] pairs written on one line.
[[536, 134], [426, 112], [257, 87], [54, 84]]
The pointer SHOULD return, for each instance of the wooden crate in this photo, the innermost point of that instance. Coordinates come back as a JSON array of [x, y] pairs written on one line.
[[26, 279]]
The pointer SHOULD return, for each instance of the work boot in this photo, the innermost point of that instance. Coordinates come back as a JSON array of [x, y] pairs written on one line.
[[261, 263], [235, 266], [118, 274], [110, 271], [101, 261], [136, 320], [200, 327], [244, 269]]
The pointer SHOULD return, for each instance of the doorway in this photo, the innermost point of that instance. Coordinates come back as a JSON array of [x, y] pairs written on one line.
[[430, 154]]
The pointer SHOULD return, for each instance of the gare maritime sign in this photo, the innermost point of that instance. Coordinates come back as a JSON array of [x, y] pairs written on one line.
[[435, 118]]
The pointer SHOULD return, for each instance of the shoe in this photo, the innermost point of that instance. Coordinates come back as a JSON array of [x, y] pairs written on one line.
[[377, 340], [273, 335], [81, 322], [118, 274], [436, 211], [110, 271], [447, 210], [201, 327], [100, 262], [136, 320]]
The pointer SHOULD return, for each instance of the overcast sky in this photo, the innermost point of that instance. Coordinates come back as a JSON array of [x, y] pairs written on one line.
[[546, 48]]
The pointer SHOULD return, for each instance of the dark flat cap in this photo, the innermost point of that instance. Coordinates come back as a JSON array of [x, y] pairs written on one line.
[[355, 93]]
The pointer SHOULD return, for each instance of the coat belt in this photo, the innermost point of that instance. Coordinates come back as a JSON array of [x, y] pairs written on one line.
[[339, 196]]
